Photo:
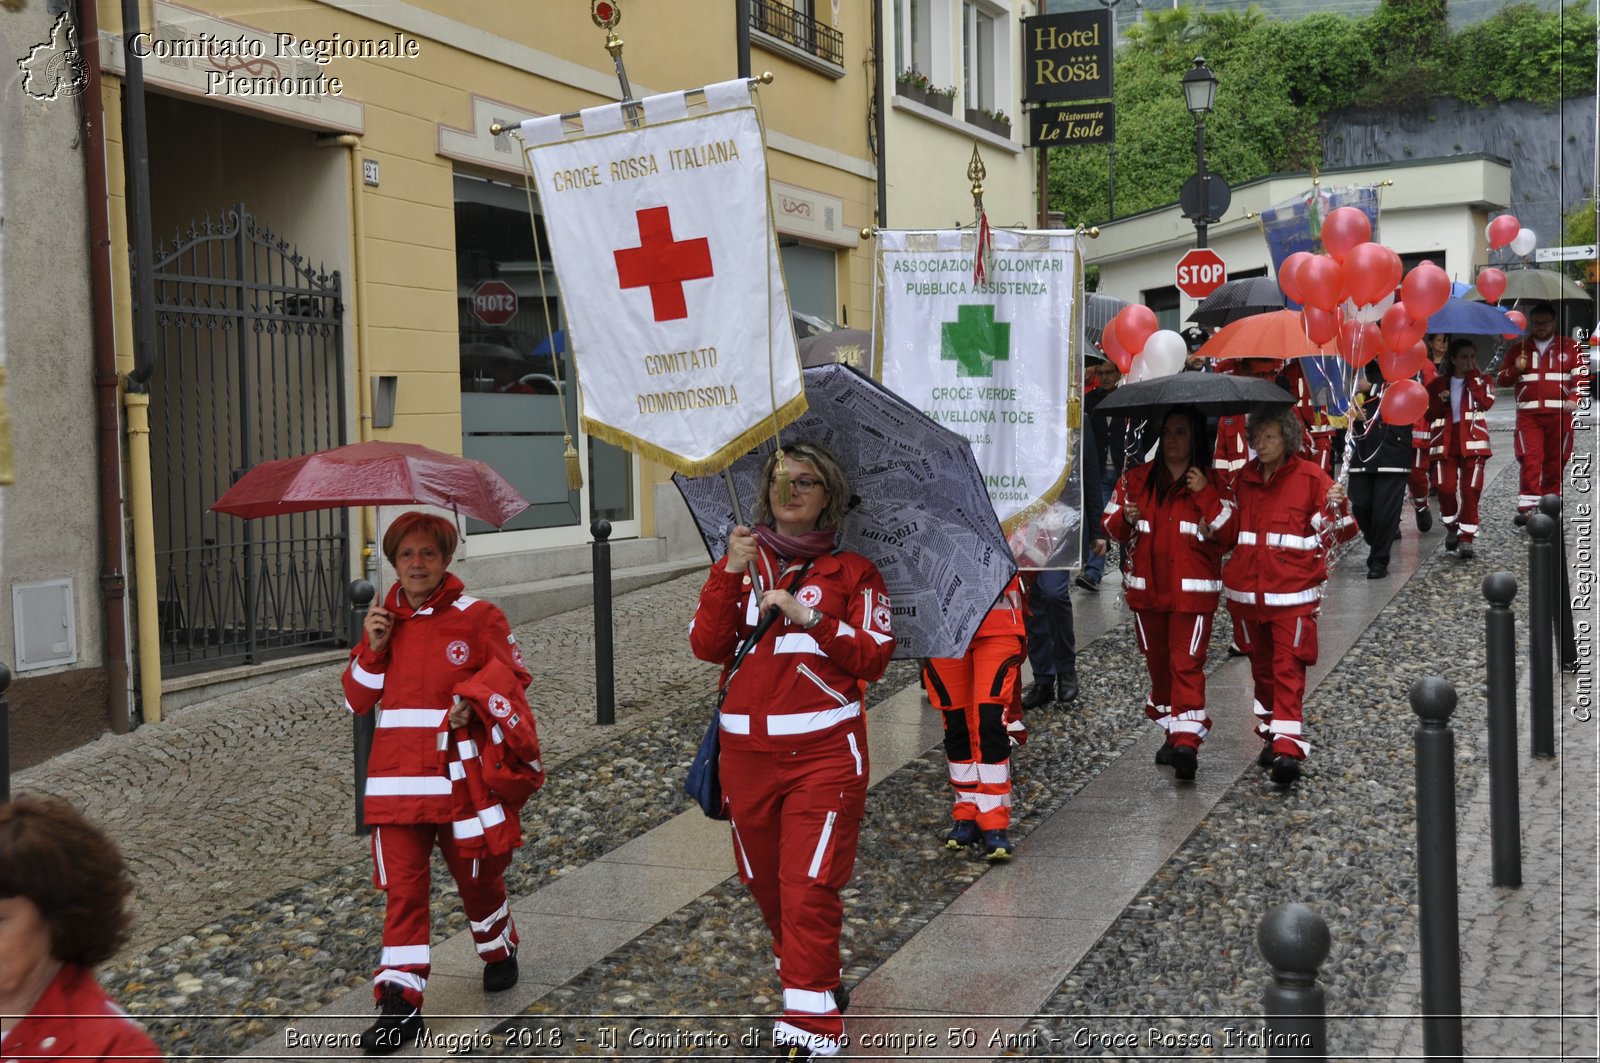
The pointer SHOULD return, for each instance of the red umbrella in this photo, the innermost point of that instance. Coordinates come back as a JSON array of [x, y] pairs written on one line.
[[375, 473], [1280, 334]]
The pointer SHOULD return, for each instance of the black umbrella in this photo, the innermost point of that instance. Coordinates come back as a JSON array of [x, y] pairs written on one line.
[[1098, 310], [924, 516], [847, 346], [1210, 393], [1237, 299]]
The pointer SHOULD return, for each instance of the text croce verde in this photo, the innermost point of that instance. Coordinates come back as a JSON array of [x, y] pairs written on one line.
[[634, 167], [953, 276]]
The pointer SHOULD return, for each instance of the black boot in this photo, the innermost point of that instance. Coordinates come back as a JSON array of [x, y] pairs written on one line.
[[399, 1023], [500, 976], [1067, 687], [1042, 693]]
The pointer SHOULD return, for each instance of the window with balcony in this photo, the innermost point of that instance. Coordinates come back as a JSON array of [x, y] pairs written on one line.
[[793, 26]]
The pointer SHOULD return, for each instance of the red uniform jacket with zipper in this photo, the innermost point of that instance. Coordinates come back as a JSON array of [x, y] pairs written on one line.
[[1278, 534], [1551, 380], [423, 771], [792, 672], [1174, 568], [1477, 395]]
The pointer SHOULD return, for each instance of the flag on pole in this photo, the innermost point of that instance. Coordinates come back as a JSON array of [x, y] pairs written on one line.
[[1296, 224], [999, 361], [668, 268]]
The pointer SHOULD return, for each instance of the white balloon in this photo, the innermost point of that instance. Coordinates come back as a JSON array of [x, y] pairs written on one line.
[[1523, 243], [1374, 311], [1164, 354], [1138, 369]]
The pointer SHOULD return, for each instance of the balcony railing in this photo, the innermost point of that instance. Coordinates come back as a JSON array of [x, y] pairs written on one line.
[[782, 22]]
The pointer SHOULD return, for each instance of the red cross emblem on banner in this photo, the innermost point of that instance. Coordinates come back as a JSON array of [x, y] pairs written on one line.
[[663, 264]]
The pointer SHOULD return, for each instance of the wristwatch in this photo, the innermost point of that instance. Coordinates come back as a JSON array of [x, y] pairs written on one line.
[[813, 618]]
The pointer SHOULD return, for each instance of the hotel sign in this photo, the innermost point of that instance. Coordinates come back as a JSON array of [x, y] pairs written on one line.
[[1067, 57], [1081, 123]]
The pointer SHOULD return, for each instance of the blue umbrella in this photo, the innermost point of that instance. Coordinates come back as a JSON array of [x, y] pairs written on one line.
[[1473, 319], [544, 346]]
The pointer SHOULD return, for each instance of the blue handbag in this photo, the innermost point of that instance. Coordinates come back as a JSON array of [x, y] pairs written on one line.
[[704, 781]]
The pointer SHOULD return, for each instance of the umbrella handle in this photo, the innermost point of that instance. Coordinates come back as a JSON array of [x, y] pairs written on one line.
[[738, 518]]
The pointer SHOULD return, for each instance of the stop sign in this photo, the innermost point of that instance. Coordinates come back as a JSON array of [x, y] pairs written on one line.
[[1201, 272], [494, 303]]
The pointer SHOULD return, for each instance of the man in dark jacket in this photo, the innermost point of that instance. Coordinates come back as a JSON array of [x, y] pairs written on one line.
[[1379, 467]]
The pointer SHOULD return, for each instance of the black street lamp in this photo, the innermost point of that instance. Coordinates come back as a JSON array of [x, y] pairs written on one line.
[[1200, 93]]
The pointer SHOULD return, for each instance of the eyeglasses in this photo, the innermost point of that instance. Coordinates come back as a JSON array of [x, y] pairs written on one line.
[[804, 485]]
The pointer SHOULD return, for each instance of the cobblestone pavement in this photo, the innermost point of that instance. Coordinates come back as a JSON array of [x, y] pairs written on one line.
[[232, 800]]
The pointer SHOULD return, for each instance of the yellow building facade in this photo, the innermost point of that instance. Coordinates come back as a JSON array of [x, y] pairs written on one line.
[[346, 252]]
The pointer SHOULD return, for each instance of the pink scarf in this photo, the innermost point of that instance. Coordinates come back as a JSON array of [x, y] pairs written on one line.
[[811, 544]]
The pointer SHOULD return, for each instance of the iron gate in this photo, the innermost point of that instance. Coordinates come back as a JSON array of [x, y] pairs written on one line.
[[249, 368]]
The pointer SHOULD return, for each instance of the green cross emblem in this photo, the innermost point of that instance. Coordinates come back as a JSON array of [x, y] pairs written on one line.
[[974, 340]]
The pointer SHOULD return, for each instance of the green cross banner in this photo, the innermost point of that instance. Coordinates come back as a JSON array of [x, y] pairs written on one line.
[[975, 340]]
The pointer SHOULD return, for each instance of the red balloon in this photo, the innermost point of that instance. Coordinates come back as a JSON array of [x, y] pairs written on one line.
[[1367, 269], [1517, 318], [1491, 284], [1135, 324], [1502, 231], [1120, 357], [1289, 276], [1404, 402], [1358, 343], [1402, 365], [1321, 326], [1344, 229], [1397, 270], [1399, 329], [1321, 280], [1425, 290]]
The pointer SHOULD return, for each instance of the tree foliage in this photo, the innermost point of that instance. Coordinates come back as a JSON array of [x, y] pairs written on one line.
[[1280, 80]]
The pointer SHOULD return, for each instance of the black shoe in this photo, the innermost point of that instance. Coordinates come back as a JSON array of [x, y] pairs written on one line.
[[1285, 770], [399, 1023], [1464, 551], [1088, 584], [498, 977], [1164, 755], [1377, 571], [1235, 651], [1066, 688], [1185, 759], [1451, 538], [1424, 519], [1520, 520], [841, 999], [1042, 693], [1265, 758]]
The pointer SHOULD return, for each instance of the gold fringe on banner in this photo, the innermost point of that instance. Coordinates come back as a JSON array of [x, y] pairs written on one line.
[[574, 472], [707, 466]]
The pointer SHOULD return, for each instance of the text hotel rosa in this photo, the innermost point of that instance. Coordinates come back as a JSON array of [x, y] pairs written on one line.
[[991, 412], [690, 379]]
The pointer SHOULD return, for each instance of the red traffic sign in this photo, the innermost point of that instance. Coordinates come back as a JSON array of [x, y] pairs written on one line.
[[1201, 272], [494, 303]]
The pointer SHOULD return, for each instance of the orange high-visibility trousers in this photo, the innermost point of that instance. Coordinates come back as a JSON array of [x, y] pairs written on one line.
[[973, 693]]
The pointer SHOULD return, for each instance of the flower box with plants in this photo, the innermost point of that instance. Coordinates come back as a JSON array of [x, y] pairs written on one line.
[[996, 122], [942, 99], [912, 84]]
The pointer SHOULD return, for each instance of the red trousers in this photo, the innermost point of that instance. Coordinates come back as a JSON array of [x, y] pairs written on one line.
[[401, 853], [1174, 647], [1544, 446], [1280, 649], [1460, 483], [796, 818], [1417, 479], [973, 693]]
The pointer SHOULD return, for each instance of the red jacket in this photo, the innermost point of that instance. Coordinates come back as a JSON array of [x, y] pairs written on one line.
[[1278, 564], [420, 770], [1423, 428], [74, 1019], [1174, 568], [796, 682], [1472, 438], [1232, 448], [1551, 380]]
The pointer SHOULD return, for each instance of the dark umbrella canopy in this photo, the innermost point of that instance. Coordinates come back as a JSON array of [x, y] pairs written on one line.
[[1238, 299], [1098, 310], [924, 518], [1537, 285], [847, 346], [374, 473], [1210, 393]]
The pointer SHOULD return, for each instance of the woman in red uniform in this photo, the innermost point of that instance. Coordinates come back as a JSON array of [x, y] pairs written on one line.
[[1287, 506], [1166, 511], [1456, 401], [454, 756], [974, 693], [794, 740], [63, 892]]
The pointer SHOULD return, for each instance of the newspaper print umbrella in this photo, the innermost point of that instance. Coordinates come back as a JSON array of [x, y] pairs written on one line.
[[847, 346], [374, 473], [924, 517], [1238, 299]]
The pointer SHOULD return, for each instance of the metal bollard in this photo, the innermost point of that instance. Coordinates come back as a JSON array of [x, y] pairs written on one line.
[[361, 595], [5, 734], [605, 696], [1566, 635], [1505, 817], [1541, 634], [1433, 700], [1294, 940]]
